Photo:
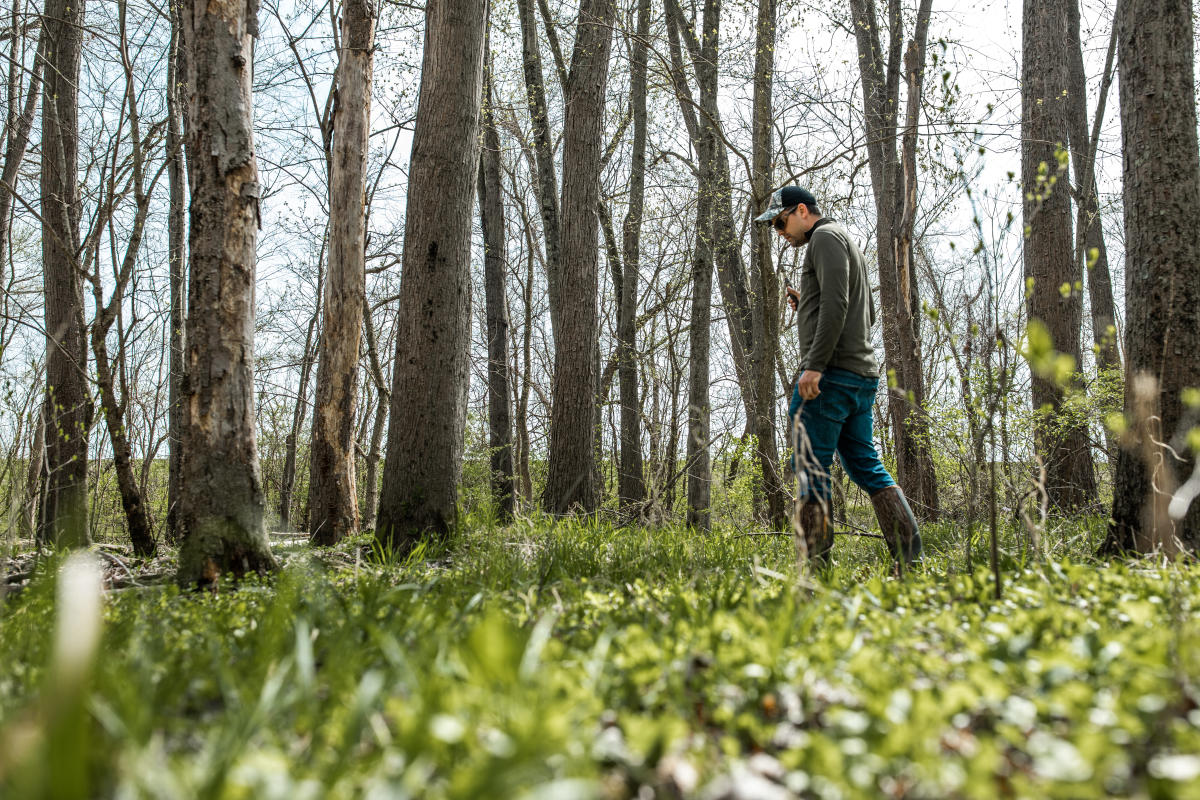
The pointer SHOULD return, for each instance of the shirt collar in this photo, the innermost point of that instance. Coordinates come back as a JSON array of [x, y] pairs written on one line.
[[813, 229]]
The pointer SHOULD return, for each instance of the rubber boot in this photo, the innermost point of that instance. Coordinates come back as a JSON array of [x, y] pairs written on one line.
[[813, 517], [898, 525]]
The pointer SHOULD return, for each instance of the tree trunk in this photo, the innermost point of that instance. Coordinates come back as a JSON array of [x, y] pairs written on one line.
[[287, 482], [19, 121], [543, 148], [893, 180], [1053, 296], [765, 302], [221, 499], [136, 519], [522, 421], [31, 512], [371, 499], [571, 481], [699, 472], [495, 269], [429, 390], [177, 250], [68, 402], [332, 492], [1162, 283], [631, 482], [1090, 251]]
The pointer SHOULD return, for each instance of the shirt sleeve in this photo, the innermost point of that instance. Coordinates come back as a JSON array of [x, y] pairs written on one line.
[[831, 263]]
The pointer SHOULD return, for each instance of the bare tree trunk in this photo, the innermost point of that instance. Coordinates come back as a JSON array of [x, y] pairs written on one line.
[[893, 179], [429, 391], [699, 472], [543, 148], [631, 482], [1162, 283], [495, 268], [1091, 254], [68, 402], [727, 248], [31, 512], [571, 481], [1062, 445], [371, 500], [115, 410], [333, 493], [312, 337], [221, 499], [19, 121], [522, 421], [177, 249], [765, 301]]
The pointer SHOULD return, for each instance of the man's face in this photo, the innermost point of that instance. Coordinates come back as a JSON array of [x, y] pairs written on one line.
[[790, 225]]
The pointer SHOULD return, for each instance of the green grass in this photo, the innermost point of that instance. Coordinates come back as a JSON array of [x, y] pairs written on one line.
[[564, 661]]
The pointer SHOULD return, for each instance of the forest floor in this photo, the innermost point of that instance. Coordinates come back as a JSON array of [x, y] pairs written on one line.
[[574, 661]]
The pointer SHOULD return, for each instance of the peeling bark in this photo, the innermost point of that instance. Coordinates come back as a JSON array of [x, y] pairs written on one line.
[[221, 498], [332, 493]]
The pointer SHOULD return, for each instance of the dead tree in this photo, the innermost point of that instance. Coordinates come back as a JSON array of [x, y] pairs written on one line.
[[221, 497], [332, 493], [894, 182]]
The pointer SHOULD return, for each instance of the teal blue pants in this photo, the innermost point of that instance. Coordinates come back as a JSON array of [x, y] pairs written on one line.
[[837, 420]]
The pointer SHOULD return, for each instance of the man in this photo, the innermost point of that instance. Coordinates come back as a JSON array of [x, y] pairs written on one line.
[[833, 397]]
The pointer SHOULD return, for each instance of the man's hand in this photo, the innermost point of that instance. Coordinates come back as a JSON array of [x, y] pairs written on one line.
[[793, 298], [809, 384]]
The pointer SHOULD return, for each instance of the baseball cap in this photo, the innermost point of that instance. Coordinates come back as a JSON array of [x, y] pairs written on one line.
[[784, 198]]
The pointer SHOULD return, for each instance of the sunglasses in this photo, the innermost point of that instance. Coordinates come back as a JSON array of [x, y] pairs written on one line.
[[781, 221]]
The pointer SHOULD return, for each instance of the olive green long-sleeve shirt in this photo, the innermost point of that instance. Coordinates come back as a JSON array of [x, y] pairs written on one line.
[[835, 310]]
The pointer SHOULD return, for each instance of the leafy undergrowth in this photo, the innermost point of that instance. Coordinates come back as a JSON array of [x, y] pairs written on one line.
[[576, 662]]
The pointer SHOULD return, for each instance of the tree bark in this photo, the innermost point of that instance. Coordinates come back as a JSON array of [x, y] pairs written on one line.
[[177, 254], [571, 481], [631, 486], [19, 122], [495, 270], [1091, 254], [429, 390], [543, 148], [893, 180], [374, 453], [312, 341], [221, 499], [727, 247], [31, 511], [114, 408], [333, 492], [1162, 283], [699, 472], [765, 302], [1053, 296], [64, 519]]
